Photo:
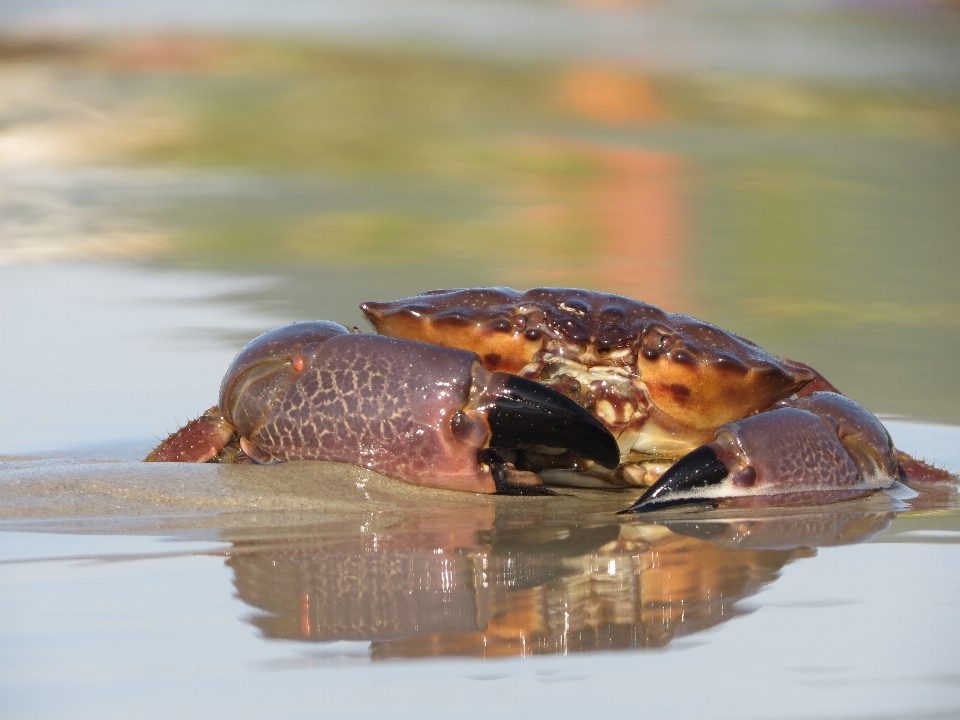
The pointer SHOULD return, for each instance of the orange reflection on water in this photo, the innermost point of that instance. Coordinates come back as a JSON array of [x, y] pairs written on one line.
[[637, 201], [631, 215], [640, 206], [607, 96]]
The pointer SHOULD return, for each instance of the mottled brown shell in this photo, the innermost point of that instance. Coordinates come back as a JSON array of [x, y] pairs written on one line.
[[696, 374]]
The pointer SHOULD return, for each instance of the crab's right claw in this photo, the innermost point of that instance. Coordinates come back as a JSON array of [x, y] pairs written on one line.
[[812, 450]]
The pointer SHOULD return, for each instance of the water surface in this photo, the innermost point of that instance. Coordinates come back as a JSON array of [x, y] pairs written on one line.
[[787, 171]]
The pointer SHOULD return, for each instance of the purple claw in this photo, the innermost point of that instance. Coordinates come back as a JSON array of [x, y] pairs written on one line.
[[812, 450], [425, 414]]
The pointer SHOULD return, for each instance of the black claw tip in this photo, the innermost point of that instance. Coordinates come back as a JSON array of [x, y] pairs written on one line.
[[697, 470], [528, 413]]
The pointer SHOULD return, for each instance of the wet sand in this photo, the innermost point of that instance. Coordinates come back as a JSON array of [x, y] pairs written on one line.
[[111, 496], [114, 496]]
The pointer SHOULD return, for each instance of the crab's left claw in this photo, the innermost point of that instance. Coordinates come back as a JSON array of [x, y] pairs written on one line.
[[523, 413], [817, 449], [425, 414]]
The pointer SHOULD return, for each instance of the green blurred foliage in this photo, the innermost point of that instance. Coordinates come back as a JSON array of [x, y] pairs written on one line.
[[820, 219], [311, 108]]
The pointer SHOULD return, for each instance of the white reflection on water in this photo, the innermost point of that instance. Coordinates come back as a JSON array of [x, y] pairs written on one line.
[[99, 212], [937, 443], [18, 547], [97, 354], [909, 42]]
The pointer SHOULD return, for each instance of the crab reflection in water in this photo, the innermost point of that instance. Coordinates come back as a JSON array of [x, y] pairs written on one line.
[[479, 585]]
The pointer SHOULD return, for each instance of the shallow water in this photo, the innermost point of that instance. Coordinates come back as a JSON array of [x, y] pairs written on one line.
[[237, 590], [787, 171]]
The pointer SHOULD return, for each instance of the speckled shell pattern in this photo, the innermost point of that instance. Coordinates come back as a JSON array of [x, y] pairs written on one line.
[[377, 402], [824, 442], [578, 315], [690, 375], [861, 433], [793, 448]]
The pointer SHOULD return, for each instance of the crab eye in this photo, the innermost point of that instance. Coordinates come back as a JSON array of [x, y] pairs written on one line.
[[656, 341]]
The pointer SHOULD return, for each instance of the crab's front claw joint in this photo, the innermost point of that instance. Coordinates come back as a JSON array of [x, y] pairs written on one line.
[[812, 450], [429, 415]]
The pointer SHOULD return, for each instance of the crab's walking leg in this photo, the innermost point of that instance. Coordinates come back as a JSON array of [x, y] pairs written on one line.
[[815, 449], [200, 440]]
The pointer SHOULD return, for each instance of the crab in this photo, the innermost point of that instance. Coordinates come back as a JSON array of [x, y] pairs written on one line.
[[495, 390]]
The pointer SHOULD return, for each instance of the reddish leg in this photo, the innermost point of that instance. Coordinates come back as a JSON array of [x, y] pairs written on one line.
[[200, 440], [818, 384], [913, 470]]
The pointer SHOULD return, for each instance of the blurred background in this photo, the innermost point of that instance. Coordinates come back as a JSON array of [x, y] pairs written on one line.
[[176, 177]]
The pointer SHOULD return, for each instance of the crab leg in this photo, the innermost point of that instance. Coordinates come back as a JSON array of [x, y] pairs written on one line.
[[200, 440], [815, 449], [425, 414]]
